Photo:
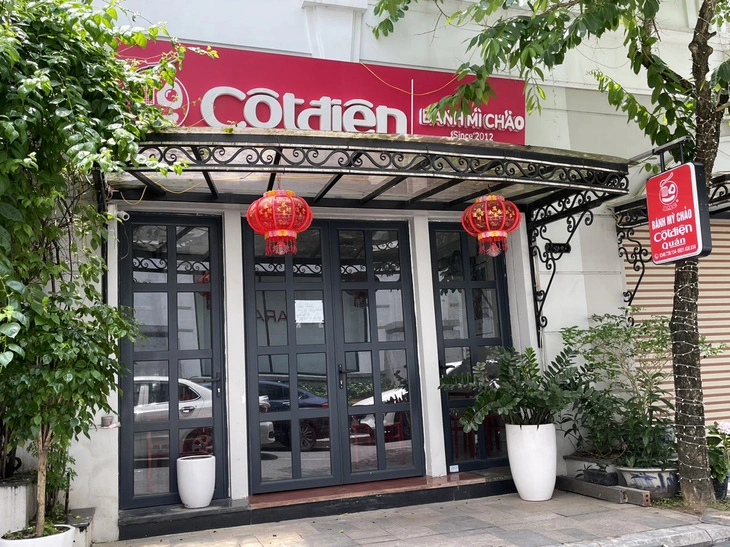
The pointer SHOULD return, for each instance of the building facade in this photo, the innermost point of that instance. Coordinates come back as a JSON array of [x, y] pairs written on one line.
[[322, 368]]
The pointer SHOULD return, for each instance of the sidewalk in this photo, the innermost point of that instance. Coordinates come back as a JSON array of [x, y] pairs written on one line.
[[567, 519]]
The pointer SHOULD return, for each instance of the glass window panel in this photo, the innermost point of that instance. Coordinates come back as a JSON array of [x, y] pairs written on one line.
[[352, 255], [312, 376], [151, 392], [273, 367], [271, 318], [193, 321], [393, 376], [195, 400], [398, 443], [274, 382], [489, 355], [458, 361], [308, 260], [196, 441], [276, 457], [359, 378], [309, 317], [151, 462], [363, 448], [453, 314], [486, 315], [193, 254], [317, 461], [448, 256], [197, 370], [314, 434], [386, 255], [150, 309], [389, 307], [149, 252], [356, 316], [464, 446], [495, 437], [481, 266], [268, 269]]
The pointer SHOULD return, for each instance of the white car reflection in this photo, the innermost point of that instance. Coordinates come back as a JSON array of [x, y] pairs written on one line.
[[396, 425], [152, 396]]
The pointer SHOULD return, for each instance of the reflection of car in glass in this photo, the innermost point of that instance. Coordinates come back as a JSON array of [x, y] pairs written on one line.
[[266, 429], [396, 425], [310, 430], [151, 404]]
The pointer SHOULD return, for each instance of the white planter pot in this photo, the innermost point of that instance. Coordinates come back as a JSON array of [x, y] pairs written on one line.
[[196, 480], [64, 539], [532, 452], [661, 483], [576, 465]]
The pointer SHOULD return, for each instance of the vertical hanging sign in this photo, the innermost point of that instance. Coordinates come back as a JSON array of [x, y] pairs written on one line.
[[679, 216]]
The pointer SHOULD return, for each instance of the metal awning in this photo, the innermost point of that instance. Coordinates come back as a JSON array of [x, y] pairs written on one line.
[[366, 170], [369, 171]]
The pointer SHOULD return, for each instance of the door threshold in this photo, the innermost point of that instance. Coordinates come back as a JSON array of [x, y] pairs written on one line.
[[313, 502]]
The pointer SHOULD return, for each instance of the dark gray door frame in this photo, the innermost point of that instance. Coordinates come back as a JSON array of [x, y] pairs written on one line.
[[127, 288], [472, 341], [334, 349]]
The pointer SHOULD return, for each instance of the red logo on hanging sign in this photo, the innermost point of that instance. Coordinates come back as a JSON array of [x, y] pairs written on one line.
[[264, 90], [679, 222]]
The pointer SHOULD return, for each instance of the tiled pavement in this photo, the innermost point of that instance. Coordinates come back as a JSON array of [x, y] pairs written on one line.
[[493, 521]]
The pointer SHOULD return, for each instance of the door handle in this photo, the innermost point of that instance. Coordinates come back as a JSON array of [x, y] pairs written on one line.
[[187, 409], [342, 373]]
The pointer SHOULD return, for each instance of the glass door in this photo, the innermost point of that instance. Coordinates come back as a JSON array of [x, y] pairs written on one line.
[[472, 321], [375, 352], [331, 359], [172, 398]]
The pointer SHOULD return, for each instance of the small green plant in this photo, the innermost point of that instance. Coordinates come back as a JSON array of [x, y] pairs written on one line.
[[521, 394], [718, 446], [623, 409]]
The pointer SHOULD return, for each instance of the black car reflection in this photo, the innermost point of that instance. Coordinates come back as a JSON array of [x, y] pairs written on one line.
[[311, 430]]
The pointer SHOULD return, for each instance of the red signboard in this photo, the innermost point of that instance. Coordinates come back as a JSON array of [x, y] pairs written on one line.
[[265, 90], [679, 218]]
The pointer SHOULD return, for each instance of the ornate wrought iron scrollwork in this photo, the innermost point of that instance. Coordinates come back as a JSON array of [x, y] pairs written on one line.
[[310, 156], [637, 256], [576, 210]]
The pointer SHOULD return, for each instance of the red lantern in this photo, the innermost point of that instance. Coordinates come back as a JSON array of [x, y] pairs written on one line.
[[490, 218], [279, 216]]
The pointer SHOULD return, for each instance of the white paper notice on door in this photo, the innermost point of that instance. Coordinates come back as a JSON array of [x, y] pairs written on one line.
[[309, 311]]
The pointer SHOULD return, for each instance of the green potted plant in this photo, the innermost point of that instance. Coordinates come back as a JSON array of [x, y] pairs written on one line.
[[528, 401], [718, 447], [623, 411]]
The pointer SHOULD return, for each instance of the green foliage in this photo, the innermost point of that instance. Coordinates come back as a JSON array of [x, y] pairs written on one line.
[[622, 409], [68, 107], [521, 394], [718, 444], [534, 39]]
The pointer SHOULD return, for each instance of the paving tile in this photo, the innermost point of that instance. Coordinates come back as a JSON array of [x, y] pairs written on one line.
[[523, 538], [330, 540], [577, 533]]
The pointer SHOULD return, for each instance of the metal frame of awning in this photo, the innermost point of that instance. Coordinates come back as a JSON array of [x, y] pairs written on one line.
[[547, 184]]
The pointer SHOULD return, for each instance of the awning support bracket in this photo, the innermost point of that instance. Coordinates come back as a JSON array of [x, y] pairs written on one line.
[[575, 209]]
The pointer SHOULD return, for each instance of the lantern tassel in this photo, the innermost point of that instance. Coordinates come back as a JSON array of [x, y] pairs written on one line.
[[281, 245], [492, 247]]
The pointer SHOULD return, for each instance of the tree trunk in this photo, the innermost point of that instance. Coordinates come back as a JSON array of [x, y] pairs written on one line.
[[41, 483], [689, 410]]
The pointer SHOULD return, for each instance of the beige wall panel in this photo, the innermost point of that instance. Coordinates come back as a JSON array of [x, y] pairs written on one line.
[[655, 298]]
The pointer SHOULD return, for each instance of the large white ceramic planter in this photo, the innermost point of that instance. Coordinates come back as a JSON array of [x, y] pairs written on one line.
[[661, 483], [196, 480], [532, 452], [64, 539]]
